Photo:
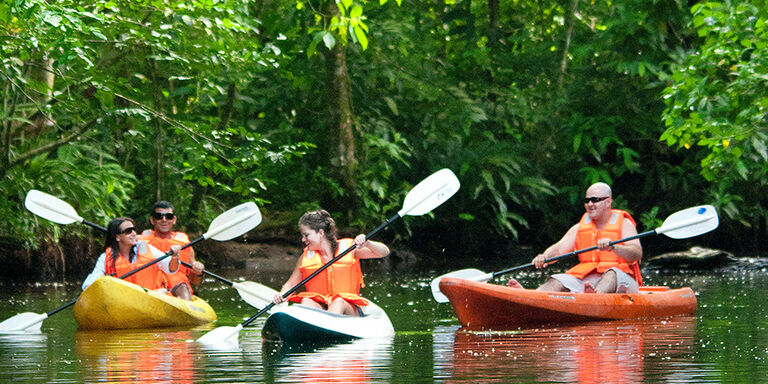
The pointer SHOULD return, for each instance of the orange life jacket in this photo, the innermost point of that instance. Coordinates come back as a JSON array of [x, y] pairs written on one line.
[[164, 245], [344, 278], [601, 261], [150, 278]]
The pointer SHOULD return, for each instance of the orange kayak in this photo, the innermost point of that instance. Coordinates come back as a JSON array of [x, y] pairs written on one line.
[[483, 305]]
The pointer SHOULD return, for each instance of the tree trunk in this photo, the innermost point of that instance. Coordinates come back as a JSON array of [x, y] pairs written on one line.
[[159, 134], [569, 20], [340, 111], [41, 75], [229, 106], [493, 24], [38, 90], [9, 108], [123, 124]]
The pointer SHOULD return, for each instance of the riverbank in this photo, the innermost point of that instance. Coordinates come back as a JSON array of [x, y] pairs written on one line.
[[72, 258], [276, 249]]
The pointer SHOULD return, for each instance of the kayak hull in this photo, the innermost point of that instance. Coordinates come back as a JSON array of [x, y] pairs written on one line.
[[483, 305], [111, 303], [300, 324]]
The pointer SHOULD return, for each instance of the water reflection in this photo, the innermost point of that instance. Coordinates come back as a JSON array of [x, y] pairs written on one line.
[[359, 361], [23, 353], [727, 342], [604, 352], [150, 356]]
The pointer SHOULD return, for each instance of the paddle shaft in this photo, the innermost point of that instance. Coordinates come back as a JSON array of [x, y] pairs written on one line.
[[94, 225], [159, 259], [315, 273], [67, 305], [573, 253], [211, 274]]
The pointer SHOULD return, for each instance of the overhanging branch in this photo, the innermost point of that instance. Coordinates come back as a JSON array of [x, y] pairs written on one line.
[[52, 146]]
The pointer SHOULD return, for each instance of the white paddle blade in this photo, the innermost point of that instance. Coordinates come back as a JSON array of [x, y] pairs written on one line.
[[51, 208], [234, 222], [690, 222], [23, 322], [222, 337], [255, 294], [467, 274], [430, 193]]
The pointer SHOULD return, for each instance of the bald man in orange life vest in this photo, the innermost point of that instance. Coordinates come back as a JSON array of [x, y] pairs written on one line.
[[610, 268]]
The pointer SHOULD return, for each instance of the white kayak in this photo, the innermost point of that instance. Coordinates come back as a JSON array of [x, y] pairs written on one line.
[[296, 323]]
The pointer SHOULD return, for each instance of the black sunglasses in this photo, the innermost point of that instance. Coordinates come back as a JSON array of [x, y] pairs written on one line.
[[168, 216], [594, 200], [128, 231]]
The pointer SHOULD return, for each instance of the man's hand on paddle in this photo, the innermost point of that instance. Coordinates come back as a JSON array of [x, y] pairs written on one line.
[[538, 261]]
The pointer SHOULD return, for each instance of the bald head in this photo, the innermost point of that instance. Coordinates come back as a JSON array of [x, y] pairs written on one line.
[[599, 189]]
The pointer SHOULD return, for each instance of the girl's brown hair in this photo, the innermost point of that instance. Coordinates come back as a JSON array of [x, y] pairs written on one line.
[[317, 220]]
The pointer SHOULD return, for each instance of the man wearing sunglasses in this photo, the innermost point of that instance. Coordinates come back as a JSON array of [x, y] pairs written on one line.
[[609, 268], [162, 237]]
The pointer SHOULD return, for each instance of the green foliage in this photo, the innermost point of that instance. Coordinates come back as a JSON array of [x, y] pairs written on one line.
[[127, 75], [85, 176], [209, 103], [715, 104], [717, 97]]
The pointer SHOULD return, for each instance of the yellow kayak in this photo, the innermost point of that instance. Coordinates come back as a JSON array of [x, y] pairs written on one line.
[[111, 303]]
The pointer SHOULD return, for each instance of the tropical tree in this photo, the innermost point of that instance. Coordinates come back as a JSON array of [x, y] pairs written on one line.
[[716, 107]]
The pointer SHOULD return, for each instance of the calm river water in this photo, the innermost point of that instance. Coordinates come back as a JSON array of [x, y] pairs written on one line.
[[726, 341]]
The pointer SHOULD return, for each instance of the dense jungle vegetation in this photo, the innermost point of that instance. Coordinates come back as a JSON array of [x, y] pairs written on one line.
[[114, 104]]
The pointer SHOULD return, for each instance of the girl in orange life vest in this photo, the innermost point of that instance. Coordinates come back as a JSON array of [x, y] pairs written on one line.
[[125, 253], [609, 269], [337, 288], [162, 237]]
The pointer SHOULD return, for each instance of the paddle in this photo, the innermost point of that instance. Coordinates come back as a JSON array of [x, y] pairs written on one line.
[[255, 294], [423, 198], [56, 210], [683, 224], [226, 226]]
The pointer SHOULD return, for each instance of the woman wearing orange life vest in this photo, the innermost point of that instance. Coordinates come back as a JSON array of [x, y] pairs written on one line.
[[610, 268], [125, 253], [337, 288]]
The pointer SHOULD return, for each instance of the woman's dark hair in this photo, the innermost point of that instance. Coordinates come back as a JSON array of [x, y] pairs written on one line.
[[113, 229], [321, 219]]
